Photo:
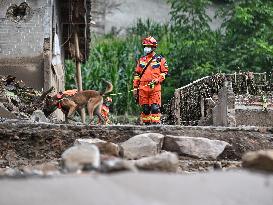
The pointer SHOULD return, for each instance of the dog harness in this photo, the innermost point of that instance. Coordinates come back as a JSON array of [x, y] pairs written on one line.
[[60, 99], [61, 94]]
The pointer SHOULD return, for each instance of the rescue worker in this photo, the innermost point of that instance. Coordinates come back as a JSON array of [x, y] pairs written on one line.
[[105, 110], [149, 73]]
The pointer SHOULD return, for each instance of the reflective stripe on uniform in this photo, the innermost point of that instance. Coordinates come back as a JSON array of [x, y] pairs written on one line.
[[145, 119], [163, 75], [155, 117]]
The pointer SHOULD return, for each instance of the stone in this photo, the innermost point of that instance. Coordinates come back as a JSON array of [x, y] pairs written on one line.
[[105, 147], [44, 169], [10, 172], [156, 137], [166, 162], [143, 145], [117, 165], [38, 116], [6, 113], [81, 157], [259, 160], [198, 147]]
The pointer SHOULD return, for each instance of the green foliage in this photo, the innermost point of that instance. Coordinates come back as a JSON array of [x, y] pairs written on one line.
[[112, 59], [248, 39], [193, 50]]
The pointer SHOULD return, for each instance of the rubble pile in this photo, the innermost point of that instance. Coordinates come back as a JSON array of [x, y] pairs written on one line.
[[42, 149], [21, 101]]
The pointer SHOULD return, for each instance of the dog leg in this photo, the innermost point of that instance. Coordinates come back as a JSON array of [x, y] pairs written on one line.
[[92, 105], [66, 118], [71, 111], [90, 108], [98, 113]]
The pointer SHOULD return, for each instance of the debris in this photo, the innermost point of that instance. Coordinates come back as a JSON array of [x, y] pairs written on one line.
[[19, 99]]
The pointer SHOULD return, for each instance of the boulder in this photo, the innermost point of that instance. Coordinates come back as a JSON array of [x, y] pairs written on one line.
[[199, 147], [166, 162], [117, 165], [142, 145], [108, 148], [259, 160], [81, 157], [156, 137]]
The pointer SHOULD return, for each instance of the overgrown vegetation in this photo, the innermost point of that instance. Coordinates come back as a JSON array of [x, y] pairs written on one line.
[[193, 50]]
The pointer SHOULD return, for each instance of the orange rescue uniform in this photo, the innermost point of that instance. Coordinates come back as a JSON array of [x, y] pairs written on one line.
[[150, 95], [105, 114]]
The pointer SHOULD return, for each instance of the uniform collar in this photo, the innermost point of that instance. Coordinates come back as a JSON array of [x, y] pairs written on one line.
[[150, 55]]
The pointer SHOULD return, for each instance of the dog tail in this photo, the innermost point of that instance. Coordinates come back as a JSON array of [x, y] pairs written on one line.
[[108, 89]]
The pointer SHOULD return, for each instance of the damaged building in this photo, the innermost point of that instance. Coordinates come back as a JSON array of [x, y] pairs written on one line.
[[37, 35]]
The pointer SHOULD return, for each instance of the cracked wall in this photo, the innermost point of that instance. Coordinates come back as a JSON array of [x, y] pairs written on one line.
[[25, 30]]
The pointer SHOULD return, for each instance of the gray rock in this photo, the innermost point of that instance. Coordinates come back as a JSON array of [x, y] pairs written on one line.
[[10, 172], [38, 116], [117, 165], [81, 157], [156, 137], [5, 113], [45, 169], [199, 147], [108, 148], [259, 160], [140, 146], [165, 161]]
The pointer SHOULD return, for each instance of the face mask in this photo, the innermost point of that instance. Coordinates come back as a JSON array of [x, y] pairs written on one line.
[[147, 50]]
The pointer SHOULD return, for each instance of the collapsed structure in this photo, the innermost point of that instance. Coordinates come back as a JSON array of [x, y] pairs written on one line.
[[238, 99], [36, 36]]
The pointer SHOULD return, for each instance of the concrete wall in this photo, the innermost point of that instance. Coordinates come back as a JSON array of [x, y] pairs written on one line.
[[98, 12], [251, 115], [26, 45], [21, 43], [121, 14], [129, 11]]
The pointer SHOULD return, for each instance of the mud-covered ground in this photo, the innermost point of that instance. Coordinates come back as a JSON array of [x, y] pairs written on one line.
[[23, 143]]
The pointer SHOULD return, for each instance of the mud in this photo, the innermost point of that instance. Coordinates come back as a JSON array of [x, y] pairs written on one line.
[[23, 143]]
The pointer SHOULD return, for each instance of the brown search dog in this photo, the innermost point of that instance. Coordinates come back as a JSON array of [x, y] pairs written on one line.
[[69, 104]]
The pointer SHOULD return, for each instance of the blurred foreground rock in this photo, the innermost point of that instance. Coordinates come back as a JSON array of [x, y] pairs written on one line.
[[105, 147], [81, 157], [259, 160], [166, 162], [117, 165], [214, 188]]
